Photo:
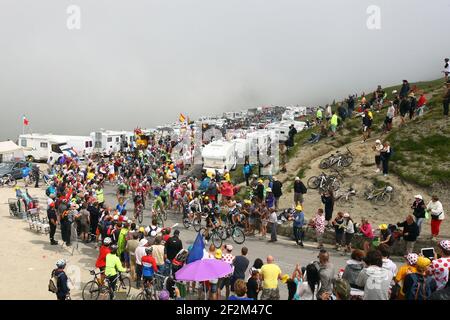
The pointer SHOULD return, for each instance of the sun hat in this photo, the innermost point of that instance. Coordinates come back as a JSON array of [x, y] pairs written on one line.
[[412, 258], [299, 207], [260, 181], [143, 242], [284, 278], [378, 141], [297, 179], [383, 226], [247, 201], [423, 262], [269, 189], [141, 229], [346, 215], [445, 244], [418, 197], [218, 254]]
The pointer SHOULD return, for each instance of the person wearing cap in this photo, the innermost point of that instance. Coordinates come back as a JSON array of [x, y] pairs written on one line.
[[298, 218], [173, 245], [437, 216], [446, 99], [439, 268], [403, 271], [53, 222], [270, 198], [259, 191], [410, 232], [149, 267], [386, 236], [419, 208], [377, 148], [339, 229], [299, 191], [122, 242], [419, 285], [349, 232]]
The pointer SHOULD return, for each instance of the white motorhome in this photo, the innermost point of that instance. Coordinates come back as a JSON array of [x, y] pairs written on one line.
[[107, 141], [242, 149], [282, 128], [82, 145], [219, 155], [41, 147]]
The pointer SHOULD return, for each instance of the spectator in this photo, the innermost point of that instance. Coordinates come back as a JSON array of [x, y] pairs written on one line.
[[439, 269], [367, 232], [309, 288], [319, 225], [385, 155], [419, 285], [374, 278], [62, 289], [412, 105], [240, 290], [349, 232], [410, 232], [328, 201], [270, 274], [441, 294], [419, 210], [353, 268], [226, 281], [273, 219], [299, 191], [247, 170], [386, 236], [437, 216], [298, 221], [446, 69], [339, 229], [388, 264], [253, 284], [404, 108], [404, 90], [326, 273], [407, 268], [240, 264], [333, 124], [377, 148], [446, 99], [277, 191]]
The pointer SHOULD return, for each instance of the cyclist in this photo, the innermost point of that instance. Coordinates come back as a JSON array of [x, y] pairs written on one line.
[[101, 260], [158, 205], [149, 267], [122, 190], [211, 221], [113, 265]]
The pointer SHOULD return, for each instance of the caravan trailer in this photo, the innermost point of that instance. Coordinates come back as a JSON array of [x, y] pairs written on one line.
[[219, 155]]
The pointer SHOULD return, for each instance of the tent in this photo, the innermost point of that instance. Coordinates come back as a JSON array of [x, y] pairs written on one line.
[[10, 151]]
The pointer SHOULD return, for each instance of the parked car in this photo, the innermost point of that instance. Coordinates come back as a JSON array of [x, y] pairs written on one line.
[[13, 168]]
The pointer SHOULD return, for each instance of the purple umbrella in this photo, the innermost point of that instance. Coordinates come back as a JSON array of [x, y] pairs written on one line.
[[203, 270]]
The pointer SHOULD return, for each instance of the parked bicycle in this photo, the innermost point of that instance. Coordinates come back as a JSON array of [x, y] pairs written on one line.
[[324, 182], [345, 198], [338, 160], [379, 196], [8, 180]]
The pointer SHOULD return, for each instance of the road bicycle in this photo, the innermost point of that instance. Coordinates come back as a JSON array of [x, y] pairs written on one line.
[[324, 182], [338, 160], [379, 196], [95, 289]]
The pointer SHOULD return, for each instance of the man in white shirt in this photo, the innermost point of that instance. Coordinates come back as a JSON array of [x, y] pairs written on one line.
[[139, 253], [273, 219]]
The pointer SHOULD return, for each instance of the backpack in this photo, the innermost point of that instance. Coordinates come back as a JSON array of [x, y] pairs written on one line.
[[53, 283], [421, 289]]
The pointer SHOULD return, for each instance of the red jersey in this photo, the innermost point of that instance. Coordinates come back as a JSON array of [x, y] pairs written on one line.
[[101, 260]]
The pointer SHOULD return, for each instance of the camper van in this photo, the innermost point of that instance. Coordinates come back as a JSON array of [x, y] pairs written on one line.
[[282, 128], [41, 147], [242, 149], [219, 155], [82, 145], [106, 141]]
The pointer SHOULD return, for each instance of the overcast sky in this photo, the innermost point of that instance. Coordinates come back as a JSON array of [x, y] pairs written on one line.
[[142, 62]]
